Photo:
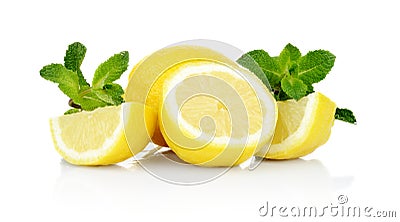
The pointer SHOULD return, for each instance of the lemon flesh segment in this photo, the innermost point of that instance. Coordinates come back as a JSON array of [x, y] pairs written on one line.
[[302, 126], [212, 115], [147, 77], [101, 137]]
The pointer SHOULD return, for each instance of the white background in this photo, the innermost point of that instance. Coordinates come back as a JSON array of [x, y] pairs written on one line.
[[360, 161]]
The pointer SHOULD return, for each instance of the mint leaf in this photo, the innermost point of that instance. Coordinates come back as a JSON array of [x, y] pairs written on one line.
[[314, 66], [90, 101], [310, 89], [345, 115], [293, 87], [67, 80], [110, 94], [248, 62], [288, 57], [268, 65], [115, 91], [71, 111], [293, 52], [73, 60], [110, 70]]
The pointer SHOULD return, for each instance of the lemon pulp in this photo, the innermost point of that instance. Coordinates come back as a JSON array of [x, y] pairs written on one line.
[[212, 115], [302, 126], [104, 136]]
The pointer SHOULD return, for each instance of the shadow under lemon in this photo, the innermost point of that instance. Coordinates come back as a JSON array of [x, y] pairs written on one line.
[[296, 180]]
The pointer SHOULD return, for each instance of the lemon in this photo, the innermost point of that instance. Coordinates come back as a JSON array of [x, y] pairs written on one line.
[[147, 77], [213, 115], [302, 126], [101, 137]]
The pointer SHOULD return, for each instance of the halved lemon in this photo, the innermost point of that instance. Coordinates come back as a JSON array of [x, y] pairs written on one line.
[[302, 126], [101, 137], [213, 115], [147, 77]]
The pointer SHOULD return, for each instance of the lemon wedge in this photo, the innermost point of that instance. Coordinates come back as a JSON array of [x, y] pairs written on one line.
[[302, 126], [213, 115], [101, 137]]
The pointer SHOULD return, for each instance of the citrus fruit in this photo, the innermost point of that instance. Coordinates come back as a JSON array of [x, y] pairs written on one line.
[[213, 115], [302, 126], [147, 77], [101, 136]]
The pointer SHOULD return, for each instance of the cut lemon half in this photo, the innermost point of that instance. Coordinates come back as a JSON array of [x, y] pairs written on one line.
[[302, 126], [101, 137], [147, 77], [213, 115]]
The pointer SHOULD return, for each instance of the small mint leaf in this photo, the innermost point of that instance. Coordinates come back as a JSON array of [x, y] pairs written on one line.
[[71, 111], [268, 65], [67, 80], [249, 63], [293, 52], [115, 89], [314, 66], [104, 96], [110, 70], [110, 94], [73, 61], [345, 115], [288, 57], [293, 87], [90, 101]]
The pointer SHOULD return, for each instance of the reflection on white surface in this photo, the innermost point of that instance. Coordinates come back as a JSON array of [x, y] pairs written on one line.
[[294, 180], [166, 166]]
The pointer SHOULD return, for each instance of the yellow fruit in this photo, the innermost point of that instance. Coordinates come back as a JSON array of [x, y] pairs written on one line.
[[302, 126], [212, 115], [101, 137], [147, 77], [136, 66]]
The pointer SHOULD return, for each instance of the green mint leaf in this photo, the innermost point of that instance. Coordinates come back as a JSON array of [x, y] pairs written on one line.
[[314, 66], [268, 65], [345, 115], [115, 90], [249, 63], [73, 60], [310, 89], [71, 111], [110, 94], [293, 87], [288, 58], [293, 52], [90, 101], [110, 70], [67, 80]]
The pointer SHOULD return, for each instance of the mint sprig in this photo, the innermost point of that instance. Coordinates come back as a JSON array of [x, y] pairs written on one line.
[[291, 75], [70, 80]]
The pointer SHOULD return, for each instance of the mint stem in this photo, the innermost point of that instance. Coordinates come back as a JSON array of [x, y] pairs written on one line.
[[74, 105]]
